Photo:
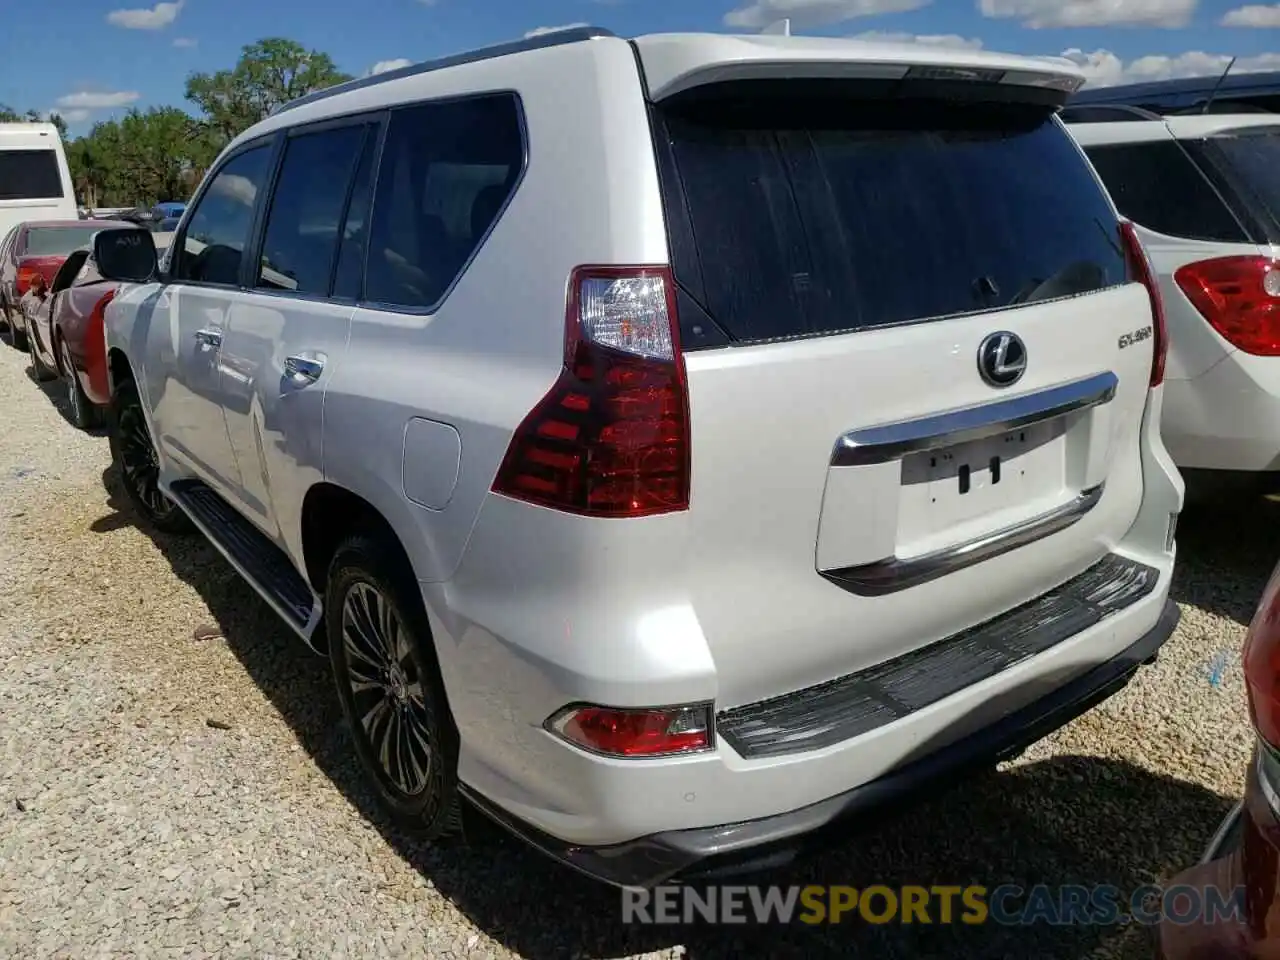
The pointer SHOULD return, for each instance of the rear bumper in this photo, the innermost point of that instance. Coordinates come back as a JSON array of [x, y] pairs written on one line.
[[1228, 418], [772, 841]]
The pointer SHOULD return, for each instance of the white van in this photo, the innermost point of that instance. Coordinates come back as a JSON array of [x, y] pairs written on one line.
[[35, 181]]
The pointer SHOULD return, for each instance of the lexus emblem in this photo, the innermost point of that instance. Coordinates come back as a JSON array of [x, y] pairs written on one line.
[[1002, 359]]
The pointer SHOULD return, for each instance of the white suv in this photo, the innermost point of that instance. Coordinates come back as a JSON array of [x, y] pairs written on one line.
[[677, 445], [1204, 192]]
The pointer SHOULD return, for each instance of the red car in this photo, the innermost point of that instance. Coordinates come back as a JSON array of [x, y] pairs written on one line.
[[66, 337], [33, 251], [1242, 862]]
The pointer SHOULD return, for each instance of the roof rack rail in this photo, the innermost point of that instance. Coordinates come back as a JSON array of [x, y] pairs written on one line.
[[1105, 113], [554, 39]]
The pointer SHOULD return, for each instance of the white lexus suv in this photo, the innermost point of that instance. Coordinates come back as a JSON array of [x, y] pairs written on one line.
[[678, 445]]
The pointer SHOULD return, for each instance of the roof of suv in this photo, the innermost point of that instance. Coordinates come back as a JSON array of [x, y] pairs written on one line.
[[1137, 92], [1191, 126], [675, 61]]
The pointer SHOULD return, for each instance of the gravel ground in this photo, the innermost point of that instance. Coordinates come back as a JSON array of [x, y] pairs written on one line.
[[163, 792]]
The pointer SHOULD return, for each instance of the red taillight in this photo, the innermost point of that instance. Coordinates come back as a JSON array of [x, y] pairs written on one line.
[[611, 437], [636, 733], [27, 276], [1140, 272], [1240, 297], [1262, 663]]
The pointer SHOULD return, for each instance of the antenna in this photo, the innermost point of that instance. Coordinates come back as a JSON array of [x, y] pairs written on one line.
[[1214, 92], [780, 28]]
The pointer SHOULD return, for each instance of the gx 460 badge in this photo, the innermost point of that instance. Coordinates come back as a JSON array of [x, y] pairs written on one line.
[[1129, 339]]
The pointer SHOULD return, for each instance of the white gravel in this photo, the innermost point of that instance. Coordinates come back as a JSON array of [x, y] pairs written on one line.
[[133, 824]]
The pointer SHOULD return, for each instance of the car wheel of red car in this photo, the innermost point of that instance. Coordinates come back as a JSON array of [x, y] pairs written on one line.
[[84, 414], [38, 369], [17, 330]]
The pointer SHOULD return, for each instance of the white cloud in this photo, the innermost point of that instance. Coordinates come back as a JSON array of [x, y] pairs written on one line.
[[1038, 14], [948, 40], [92, 100], [808, 13], [1105, 69], [539, 31], [382, 66], [1253, 15], [146, 18], [183, 42]]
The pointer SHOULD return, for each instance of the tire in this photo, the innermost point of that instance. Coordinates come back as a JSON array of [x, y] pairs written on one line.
[[134, 458], [367, 590], [17, 330], [38, 370], [83, 412]]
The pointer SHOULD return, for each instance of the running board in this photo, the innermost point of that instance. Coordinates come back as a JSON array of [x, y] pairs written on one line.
[[267, 568]]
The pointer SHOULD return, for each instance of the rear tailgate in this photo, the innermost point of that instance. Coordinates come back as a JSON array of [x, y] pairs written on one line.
[[846, 248]]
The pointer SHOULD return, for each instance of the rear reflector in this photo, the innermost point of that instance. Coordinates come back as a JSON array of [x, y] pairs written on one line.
[[611, 437], [635, 733], [1140, 271], [1240, 297]]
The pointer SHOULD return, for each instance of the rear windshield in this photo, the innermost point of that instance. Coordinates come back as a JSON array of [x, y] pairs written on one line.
[[1250, 160], [29, 175], [798, 217], [44, 241]]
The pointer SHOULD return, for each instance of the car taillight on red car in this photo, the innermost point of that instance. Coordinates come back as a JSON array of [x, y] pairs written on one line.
[[1240, 297], [26, 279], [611, 437], [1140, 271]]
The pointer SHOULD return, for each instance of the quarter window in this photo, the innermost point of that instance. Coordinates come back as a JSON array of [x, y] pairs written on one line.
[[447, 171], [306, 210], [218, 230]]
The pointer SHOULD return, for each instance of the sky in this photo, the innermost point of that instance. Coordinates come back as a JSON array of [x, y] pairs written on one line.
[[93, 59]]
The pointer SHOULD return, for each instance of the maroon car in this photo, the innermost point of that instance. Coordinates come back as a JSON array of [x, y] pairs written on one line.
[[30, 254], [66, 337]]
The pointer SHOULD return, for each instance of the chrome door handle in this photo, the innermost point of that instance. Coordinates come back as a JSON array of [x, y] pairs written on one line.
[[209, 338], [304, 368]]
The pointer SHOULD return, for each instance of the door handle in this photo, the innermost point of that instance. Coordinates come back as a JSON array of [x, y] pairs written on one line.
[[209, 338], [304, 368]]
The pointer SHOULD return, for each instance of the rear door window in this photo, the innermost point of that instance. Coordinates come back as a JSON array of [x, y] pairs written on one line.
[[30, 175], [799, 216], [1142, 177], [303, 221]]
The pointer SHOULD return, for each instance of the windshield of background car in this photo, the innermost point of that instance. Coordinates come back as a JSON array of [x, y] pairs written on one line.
[[50, 241]]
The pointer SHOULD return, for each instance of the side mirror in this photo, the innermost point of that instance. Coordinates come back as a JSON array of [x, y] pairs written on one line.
[[126, 254]]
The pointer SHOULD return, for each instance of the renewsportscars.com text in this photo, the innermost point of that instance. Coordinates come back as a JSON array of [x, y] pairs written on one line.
[[972, 904]]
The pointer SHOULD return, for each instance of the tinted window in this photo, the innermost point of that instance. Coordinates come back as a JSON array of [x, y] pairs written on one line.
[[219, 227], [1143, 179], [807, 214], [447, 170], [1250, 160], [45, 241], [355, 231], [306, 210], [29, 175]]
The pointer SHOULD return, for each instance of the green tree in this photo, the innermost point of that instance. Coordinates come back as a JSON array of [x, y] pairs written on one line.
[[9, 115], [268, 74]]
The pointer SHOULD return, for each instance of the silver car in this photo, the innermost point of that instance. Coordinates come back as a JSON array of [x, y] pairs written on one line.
[[679, 446]]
